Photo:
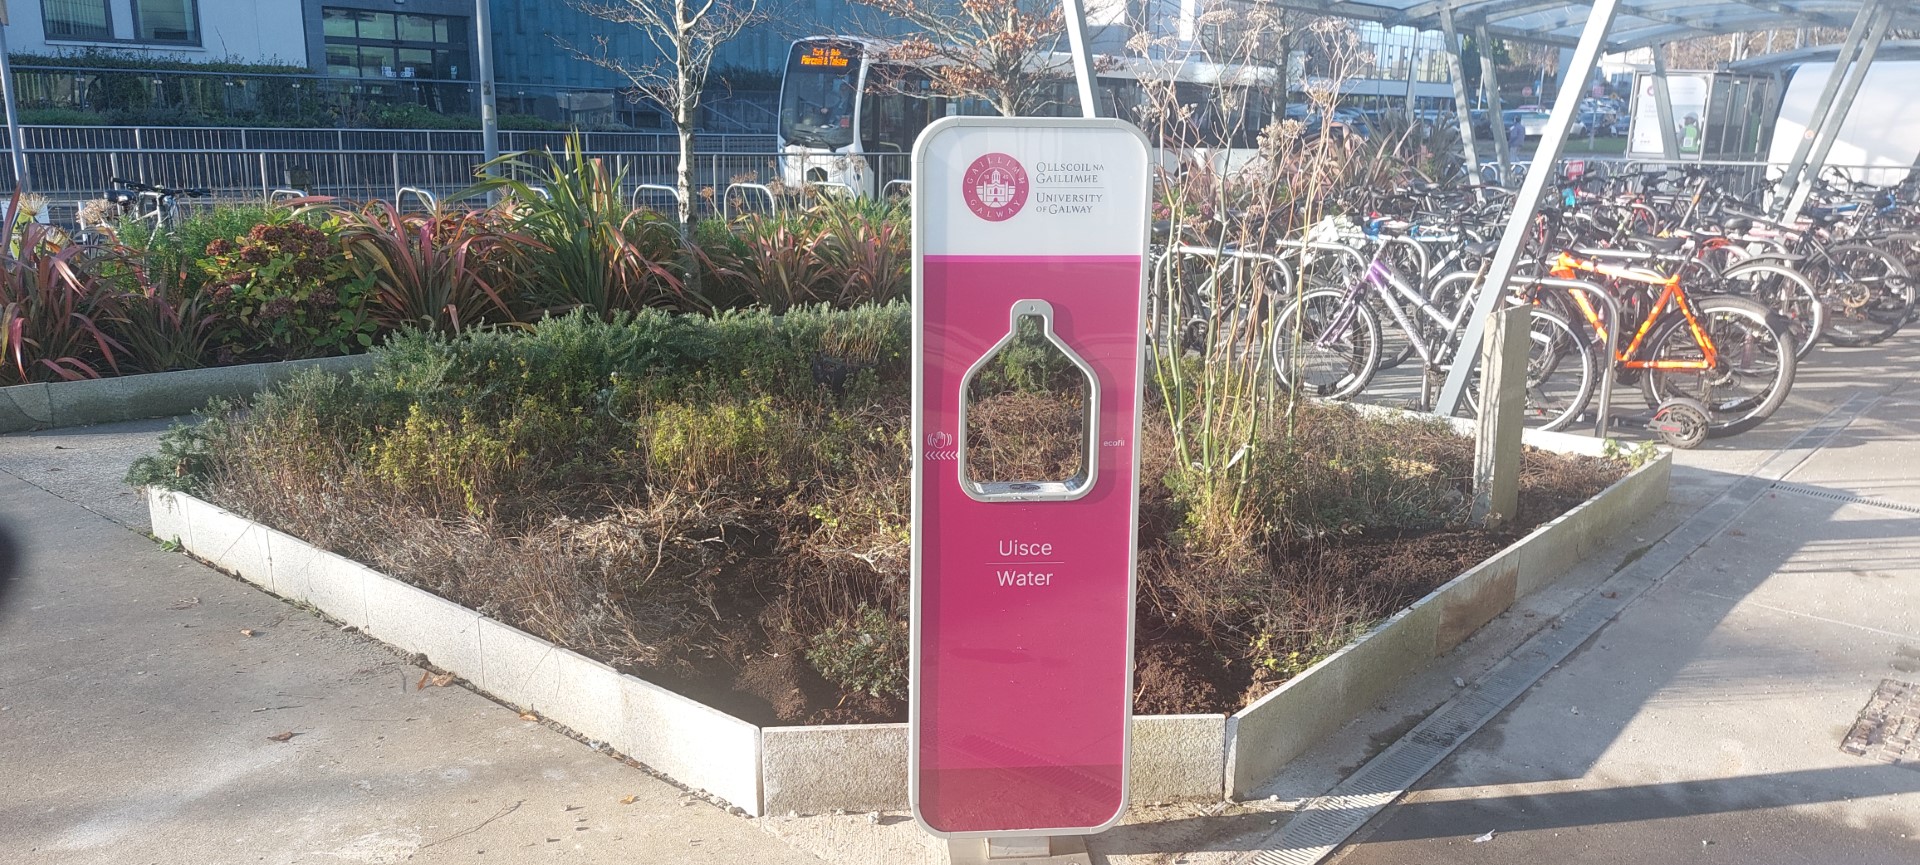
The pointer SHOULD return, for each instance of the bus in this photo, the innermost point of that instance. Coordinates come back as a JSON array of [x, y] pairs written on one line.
[[849, 115]]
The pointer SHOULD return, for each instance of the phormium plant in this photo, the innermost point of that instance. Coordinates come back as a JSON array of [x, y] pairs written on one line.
[[446, 271], [50, 313]]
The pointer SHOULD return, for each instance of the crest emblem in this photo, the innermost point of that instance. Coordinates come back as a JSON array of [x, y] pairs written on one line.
[[995, 187]]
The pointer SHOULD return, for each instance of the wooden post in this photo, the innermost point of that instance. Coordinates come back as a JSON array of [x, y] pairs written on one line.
[[1503, 402]]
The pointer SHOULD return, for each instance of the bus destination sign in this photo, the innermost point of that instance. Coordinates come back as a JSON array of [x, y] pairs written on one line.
[[825, 55]]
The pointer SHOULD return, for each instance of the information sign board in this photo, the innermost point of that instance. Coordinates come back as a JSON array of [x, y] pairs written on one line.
[[1023, 588]]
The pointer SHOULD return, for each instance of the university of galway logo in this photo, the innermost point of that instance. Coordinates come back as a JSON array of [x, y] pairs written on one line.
[[995, 187]]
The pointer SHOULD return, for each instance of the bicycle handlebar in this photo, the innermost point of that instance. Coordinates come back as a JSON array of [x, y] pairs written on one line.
[[137, 186]]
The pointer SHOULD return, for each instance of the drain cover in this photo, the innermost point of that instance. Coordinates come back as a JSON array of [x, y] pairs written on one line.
[[1889, 727]]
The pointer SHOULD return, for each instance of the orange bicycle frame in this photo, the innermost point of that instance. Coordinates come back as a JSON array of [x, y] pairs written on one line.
[[1566, 266]]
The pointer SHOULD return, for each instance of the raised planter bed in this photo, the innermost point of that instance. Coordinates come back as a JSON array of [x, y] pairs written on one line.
[[776, 770], [46, 405]]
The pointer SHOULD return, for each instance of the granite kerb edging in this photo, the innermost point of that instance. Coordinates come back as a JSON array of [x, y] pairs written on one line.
[[862, 767], [50, 405]]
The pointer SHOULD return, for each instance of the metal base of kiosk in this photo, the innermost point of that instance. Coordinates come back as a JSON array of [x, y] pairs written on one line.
[[1058, 850]]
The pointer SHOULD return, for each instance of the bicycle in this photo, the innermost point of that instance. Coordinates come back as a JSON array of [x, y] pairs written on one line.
[[1728, 354], [1327, 342], [159, 205]]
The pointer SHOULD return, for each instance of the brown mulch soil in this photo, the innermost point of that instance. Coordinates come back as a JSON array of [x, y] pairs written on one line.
[[764, 677]]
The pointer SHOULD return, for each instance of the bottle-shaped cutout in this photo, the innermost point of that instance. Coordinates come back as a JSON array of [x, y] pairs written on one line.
[[1029, 412]]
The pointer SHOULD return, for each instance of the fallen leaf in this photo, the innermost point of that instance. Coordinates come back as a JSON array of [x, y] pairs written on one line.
[[529, 716], [1609, 595], [184, 604], [246, 632], [282, 737], [628, 800], [1737, 533], [424, 676], [1484, 838], [442, 680]]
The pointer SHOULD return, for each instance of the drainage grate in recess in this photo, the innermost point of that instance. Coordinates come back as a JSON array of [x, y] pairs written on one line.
[[1889, 727], [1849, 498], [1328, 821]]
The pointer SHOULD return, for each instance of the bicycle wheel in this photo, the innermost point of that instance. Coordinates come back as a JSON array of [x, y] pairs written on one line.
[[1778, 287], [1561, 374], [1754, 368], [1326, 345], [1175, 320], [1868, 294]]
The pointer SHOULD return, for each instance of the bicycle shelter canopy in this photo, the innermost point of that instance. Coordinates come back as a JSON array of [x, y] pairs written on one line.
[[1602, 26]]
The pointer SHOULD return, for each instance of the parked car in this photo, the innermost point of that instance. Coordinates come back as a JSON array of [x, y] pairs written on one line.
[[1536, 122]]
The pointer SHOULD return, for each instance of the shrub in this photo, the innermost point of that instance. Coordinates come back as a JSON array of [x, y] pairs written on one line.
[[448, 465], [866, 653], [285, 287], [186, 451], [51, 314], [841, 252], [162, 329], [588, 248], [726, 444], [445, 271]]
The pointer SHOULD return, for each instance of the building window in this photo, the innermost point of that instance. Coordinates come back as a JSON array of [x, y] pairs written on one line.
[[166, 21], [365, 44], [77, 19]]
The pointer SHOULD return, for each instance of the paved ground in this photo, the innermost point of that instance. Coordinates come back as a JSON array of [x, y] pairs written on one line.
[[1705, 722], [138, 722]]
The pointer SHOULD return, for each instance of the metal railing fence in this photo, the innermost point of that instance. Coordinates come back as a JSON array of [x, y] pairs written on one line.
[[301, 99], [253, 174]]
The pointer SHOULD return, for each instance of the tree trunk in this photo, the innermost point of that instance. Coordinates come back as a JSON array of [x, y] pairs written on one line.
[[686, 102]]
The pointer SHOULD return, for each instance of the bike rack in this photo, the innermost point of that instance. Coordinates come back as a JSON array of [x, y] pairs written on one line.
[[1610, 306], [425, 197], [672, 194], [279, 195], [1217, 252], [726, 201], [1323, 246], [906, 186]]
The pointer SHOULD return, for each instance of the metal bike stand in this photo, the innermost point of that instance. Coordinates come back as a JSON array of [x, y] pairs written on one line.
[[726, 200], [1026, 850], [1611, 305], [425, 198], [672, 193]]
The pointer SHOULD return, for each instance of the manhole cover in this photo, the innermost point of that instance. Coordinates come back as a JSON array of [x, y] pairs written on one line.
[[1889, 727]]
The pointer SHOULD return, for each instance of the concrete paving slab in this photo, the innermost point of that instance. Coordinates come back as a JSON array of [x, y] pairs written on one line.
[[138, 724], [1874, 456], [87, 465], [1705, 723]]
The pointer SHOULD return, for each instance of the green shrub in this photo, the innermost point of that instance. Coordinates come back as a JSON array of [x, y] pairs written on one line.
[[450, 465], [60, 117], [588, 249], [288, 288], [701, 446], [865, 654], [186, 451]]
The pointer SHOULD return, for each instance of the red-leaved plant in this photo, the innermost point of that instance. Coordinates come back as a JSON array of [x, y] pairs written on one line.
[[445, 271], [50, 313]]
